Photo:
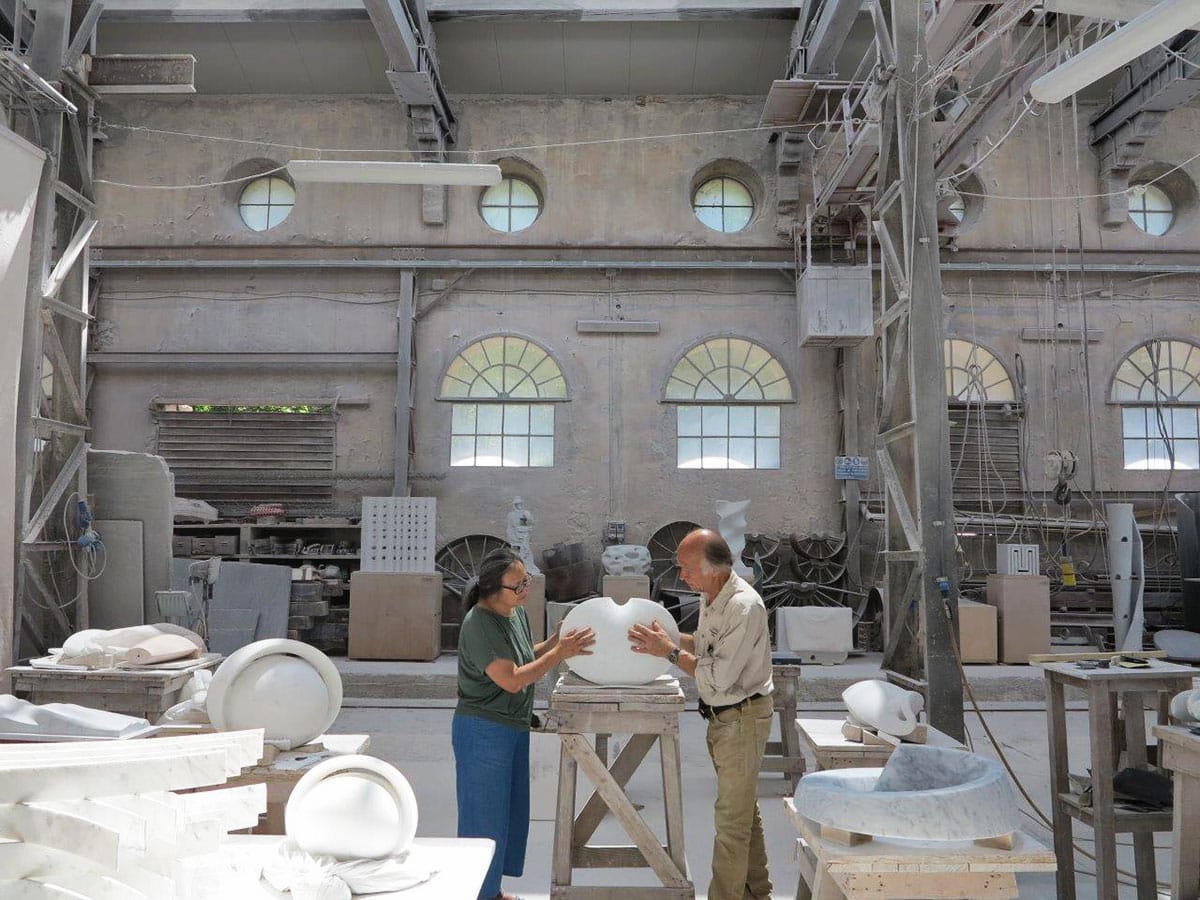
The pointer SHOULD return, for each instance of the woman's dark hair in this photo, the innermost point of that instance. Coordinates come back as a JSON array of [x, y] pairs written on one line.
[[491, 574]]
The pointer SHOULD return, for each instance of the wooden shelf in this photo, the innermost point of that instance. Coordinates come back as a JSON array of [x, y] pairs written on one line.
[[1126, 819]]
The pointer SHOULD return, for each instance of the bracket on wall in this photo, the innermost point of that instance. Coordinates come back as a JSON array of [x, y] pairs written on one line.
[[1149, 88]]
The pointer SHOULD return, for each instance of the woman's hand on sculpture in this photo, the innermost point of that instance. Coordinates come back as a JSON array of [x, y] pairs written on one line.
[[650, 639], [575, 643]]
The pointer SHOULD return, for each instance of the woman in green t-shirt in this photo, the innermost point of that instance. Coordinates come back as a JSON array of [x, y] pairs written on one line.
[[498, 665]]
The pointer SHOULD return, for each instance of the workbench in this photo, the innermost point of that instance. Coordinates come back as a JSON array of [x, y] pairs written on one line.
[[889, 869], [1179, 751], [1105, 689], [831, 749], [649, 714]]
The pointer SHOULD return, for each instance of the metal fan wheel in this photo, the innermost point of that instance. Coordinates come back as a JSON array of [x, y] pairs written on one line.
[[818, 546], [664, 570], [762, 555], [459, 563], [821, 571]]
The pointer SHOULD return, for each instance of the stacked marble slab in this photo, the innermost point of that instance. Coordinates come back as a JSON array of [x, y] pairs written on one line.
[[99, 820]]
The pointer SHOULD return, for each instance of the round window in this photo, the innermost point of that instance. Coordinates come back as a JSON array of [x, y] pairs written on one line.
[[1151, 208], [266, 202], [510, 206], [723, 204]]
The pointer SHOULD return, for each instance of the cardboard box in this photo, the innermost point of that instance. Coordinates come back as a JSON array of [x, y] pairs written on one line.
[[625, 587], [1023, 612], [977, 638], [181, 545], [203, 546], [395, 615]]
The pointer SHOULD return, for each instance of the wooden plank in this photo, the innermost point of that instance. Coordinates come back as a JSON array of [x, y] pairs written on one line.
[[668, 749], [1038, 658], [1064, 841], [930, 885], [633, 824], [623, 767], [560, 871]]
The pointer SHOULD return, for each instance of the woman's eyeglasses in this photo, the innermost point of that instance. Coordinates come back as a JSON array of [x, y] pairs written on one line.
[[523, 585]]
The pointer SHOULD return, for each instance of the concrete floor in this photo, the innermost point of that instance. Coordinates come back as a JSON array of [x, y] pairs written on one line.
[[416, 738]]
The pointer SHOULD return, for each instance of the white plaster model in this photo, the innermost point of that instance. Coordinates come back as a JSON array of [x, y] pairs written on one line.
[[1126, 569], [732, 525], [519, 533], [883, 706], [816, 634], [613, 660], [97, 646], [923, 793], [626, 559], [1185, 707], [289, 689], [352, 807], [64, 720]]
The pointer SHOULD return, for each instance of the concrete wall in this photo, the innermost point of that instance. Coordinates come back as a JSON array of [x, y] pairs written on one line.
[[615, 442]]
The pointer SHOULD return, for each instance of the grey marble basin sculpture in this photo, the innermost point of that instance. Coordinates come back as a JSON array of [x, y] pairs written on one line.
[[923, 793]]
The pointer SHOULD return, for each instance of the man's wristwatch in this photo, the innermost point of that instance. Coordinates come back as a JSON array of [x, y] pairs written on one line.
[[673, 656]]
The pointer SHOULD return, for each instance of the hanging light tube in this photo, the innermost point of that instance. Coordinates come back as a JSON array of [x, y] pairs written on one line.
[[1139, 35], [359, 171]]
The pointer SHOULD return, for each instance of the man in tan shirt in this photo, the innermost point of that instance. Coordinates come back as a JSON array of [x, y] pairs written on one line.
[[730, 658]]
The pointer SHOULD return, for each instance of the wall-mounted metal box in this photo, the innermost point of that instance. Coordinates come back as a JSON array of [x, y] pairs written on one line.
[[834, 304]]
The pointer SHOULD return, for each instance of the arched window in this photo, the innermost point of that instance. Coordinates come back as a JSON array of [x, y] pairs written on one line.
[[974, 375], [985, 421], [502, 390], [1158, 389], [728, 391]]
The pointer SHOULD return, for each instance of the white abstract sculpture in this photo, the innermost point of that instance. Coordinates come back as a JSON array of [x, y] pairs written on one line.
[[816, 634], [1185, 707], [626, 559], [923, 793], [352, 807], [137, 643], [613, 660], [58, 721], [883, 706], [1125, 572], [289, 689], [519, 533], [732, 525]]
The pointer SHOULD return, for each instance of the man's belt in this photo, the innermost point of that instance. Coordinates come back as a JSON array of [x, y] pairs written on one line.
[[711, 712]]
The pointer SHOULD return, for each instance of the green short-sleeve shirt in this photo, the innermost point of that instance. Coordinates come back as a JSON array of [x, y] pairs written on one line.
[[483, 638]]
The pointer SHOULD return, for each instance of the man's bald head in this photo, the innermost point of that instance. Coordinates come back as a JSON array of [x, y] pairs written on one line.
[[710, 546]]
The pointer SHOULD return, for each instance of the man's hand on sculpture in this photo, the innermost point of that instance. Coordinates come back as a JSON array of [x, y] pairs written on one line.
[[651, 639]]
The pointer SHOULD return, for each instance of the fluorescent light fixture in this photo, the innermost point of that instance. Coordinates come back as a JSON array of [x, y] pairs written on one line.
[[356, 171], [1144, 33]]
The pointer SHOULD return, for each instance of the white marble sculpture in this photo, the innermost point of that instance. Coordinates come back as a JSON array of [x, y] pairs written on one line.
[[288, 688], [64, 721], [923, 793], [101, 821], [352, 807], [883, 706], [1185, 707], [1126, 574], [732, 525], [350, 822], [816, 634], [519, 533], [626, 559], [100, 647], [613, 660]]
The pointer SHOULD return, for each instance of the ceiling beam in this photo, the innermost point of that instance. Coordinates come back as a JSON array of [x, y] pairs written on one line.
[[142, 73], [1109, 10], [828, 33], [213, 11]]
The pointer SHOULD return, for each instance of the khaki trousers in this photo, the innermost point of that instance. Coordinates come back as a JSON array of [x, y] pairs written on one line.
[[737, 739]]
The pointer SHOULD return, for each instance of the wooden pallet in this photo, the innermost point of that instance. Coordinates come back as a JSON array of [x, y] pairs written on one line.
[[861, 734]]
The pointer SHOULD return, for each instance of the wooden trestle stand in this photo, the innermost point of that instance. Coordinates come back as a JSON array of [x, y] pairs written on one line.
[[649, 714]]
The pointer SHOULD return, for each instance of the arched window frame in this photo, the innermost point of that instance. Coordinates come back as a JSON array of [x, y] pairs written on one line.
[[1160, 416], [985, 411], [503, 416], [982, 366], [728, 424]]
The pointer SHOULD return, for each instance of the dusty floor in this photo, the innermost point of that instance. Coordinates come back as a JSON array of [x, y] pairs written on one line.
[[416, 738]]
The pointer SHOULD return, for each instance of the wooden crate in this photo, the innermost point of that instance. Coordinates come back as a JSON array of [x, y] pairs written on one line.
[[134, 692]]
